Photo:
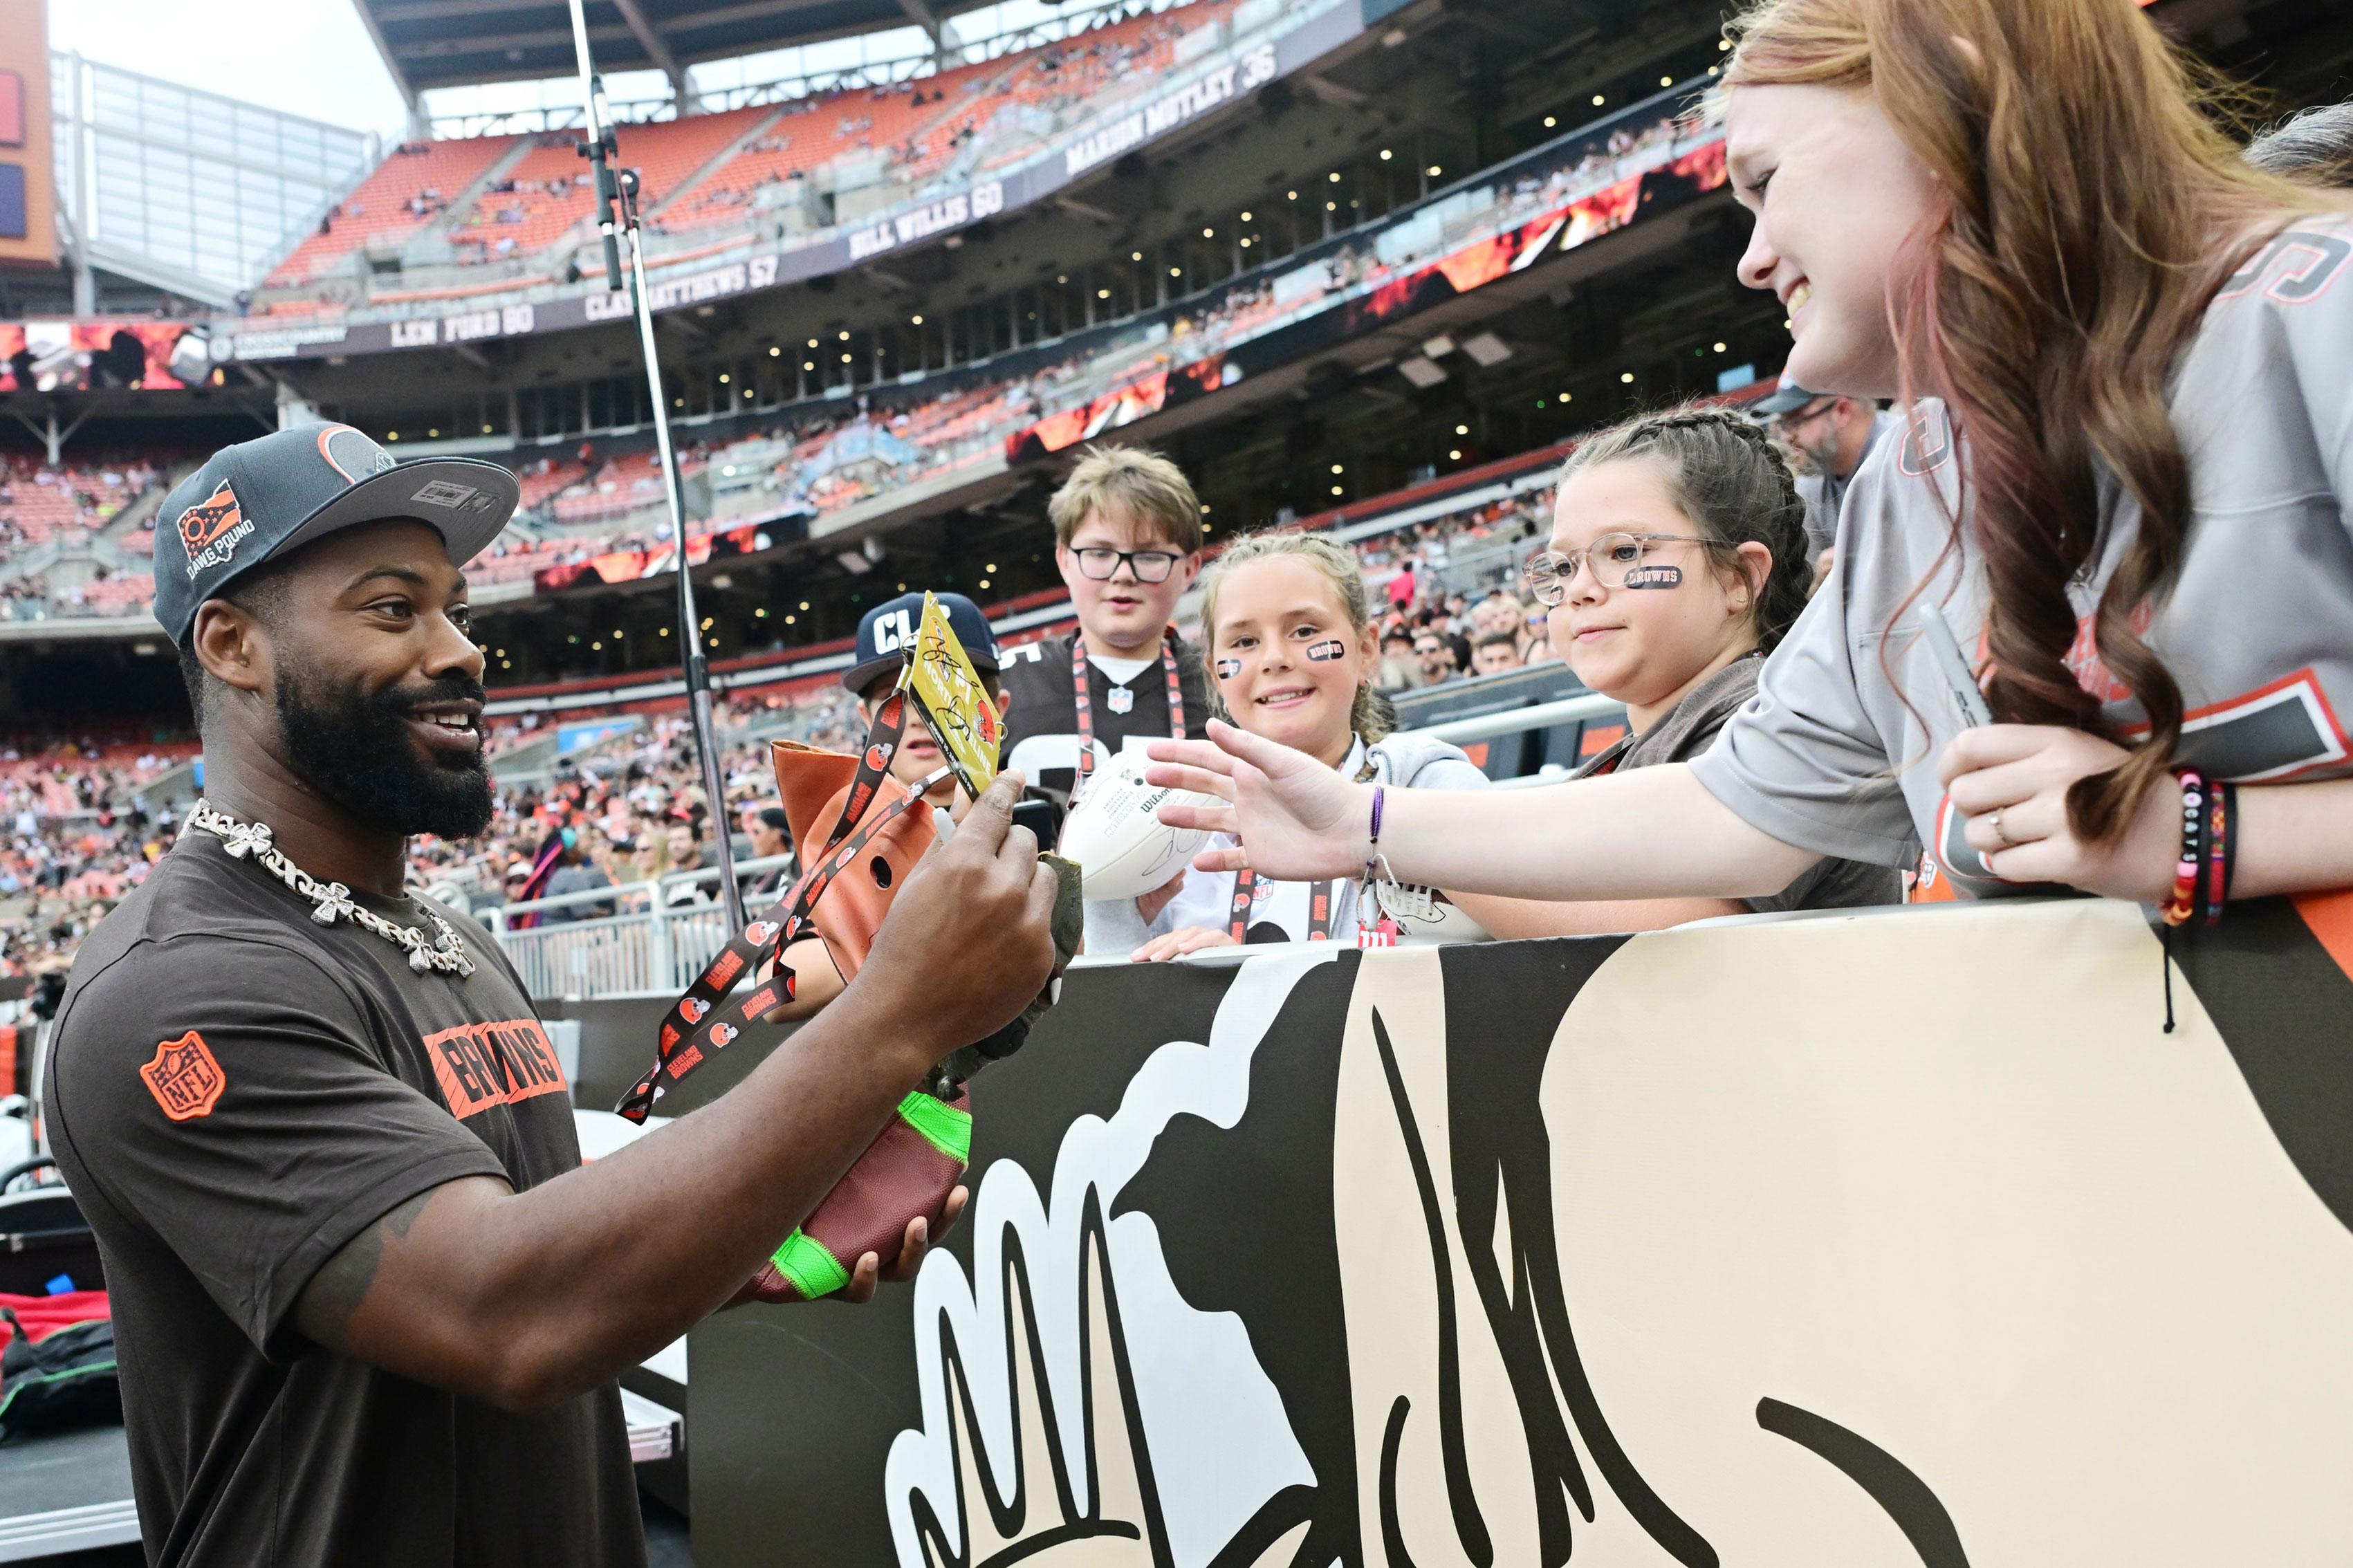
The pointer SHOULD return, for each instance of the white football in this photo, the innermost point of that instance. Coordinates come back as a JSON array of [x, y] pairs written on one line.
[[1115, 835]]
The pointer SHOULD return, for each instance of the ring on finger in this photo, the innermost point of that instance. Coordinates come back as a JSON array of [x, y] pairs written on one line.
[[1994, 820]]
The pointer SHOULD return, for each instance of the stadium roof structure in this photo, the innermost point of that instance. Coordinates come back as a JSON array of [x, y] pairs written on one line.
[[429, 44]]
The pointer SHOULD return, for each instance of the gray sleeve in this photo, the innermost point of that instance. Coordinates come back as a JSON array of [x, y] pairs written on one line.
[[1804, 760]]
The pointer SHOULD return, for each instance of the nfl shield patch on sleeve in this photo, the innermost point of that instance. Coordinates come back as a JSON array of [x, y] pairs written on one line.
[[183, 1078]]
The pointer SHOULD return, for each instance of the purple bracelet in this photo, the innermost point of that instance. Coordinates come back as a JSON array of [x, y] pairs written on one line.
[[1372, 848]]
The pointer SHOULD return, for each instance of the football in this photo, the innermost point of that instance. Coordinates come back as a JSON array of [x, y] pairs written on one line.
[[1115, 832]]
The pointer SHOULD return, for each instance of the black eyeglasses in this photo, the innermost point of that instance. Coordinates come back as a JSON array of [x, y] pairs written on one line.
[[1101, 563]]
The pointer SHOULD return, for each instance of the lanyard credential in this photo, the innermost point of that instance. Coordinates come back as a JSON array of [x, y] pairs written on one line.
[[1086, 705], [697, 1021]]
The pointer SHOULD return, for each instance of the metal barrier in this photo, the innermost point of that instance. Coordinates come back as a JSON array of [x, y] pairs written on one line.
[[647, 947]]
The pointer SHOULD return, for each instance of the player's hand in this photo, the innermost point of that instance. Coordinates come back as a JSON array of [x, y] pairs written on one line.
[[1178, 942], [1149, 905], [1302, 821], [868, 1271], [968, 941], [2023, 771]]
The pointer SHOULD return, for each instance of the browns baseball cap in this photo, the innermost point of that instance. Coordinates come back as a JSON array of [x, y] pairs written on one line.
[[260, 499]]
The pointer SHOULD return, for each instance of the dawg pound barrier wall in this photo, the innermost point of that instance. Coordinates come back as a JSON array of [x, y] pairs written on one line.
[[1907, 1238]]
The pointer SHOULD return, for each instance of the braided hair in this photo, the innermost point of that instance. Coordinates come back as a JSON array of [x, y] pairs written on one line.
[[1734, 485]]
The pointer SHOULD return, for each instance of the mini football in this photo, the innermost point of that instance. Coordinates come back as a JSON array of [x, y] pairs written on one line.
[[1114, 833]]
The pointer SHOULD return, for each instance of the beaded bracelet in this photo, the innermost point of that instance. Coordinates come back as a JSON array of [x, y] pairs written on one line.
[[2182, 904]]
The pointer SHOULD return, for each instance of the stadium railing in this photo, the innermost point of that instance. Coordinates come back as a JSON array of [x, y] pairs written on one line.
[[655, 950]]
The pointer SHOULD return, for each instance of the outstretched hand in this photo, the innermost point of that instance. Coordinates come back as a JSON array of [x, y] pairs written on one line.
[[1300, 819]]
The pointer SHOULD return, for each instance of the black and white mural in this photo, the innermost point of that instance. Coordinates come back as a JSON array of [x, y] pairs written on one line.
[[1905, 1238]]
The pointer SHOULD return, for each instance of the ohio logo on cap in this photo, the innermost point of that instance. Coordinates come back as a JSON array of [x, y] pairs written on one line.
[[212, 529]]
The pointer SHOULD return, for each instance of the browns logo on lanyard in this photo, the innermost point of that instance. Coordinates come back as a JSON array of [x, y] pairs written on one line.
[[1086, 705], [1319, 908], [696, 1020]]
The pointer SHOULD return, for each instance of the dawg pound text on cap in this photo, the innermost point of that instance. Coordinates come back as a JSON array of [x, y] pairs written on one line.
[[212, 530]]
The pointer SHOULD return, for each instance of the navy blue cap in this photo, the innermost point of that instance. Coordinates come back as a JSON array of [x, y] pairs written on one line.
[[883, 630], [260, 499]]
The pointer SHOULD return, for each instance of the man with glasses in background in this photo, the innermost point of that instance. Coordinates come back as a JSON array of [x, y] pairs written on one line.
[[1127, 539], [1435, 653], [1831, 436]]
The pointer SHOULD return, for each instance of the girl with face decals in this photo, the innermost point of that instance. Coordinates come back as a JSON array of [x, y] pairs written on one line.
[[1294, 651], [1678, 560], [2123, 481]]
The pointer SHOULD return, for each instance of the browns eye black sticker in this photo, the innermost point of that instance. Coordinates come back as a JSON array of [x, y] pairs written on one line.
[[1229, 668], [1324, 652], [1654, 577]]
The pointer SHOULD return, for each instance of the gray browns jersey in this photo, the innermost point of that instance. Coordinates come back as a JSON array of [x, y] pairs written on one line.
[[1838, 753]]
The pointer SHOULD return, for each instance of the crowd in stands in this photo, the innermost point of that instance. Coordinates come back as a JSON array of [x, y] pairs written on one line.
[[1453, 611], [80, 831], [824, 461], [1451, 585], [635, 806], [77, 831], [72, 507]]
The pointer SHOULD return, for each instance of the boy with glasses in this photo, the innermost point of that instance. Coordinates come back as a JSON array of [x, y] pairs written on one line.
[[1127, 529]]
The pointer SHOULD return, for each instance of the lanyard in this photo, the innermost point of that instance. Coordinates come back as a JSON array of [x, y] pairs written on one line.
[[1086, 704], [696, 1019], [1319, 908]]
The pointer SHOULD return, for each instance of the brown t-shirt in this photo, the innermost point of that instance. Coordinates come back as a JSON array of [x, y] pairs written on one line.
[[1689, 728], [235, 1092]]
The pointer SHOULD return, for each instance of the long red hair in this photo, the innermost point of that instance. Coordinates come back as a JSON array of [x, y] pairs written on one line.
[[2090, 206]]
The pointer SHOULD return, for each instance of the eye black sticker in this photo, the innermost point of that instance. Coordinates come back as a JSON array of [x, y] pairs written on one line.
[[1229, 668], [1324, 652], [1654, 577]]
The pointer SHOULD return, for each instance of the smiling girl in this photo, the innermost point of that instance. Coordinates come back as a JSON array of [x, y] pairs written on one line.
[[1678, 560], [2125, 480], [1294, 651]]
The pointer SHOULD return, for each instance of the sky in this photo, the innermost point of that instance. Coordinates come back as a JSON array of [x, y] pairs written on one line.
[[313, 59], [309, 58]]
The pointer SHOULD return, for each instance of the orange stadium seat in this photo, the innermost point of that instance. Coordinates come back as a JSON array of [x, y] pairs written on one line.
[[923, 136], [379, 209]]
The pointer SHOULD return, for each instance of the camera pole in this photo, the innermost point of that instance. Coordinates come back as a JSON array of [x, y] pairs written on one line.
[[617, 214]]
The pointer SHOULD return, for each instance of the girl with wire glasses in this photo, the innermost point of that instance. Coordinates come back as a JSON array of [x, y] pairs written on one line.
[[2127, 456], [1678, 560]]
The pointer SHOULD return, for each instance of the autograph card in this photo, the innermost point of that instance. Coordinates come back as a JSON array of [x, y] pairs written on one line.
[[955, 708]]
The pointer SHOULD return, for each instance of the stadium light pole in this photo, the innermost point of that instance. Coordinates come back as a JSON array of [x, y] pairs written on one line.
[[616, 215]]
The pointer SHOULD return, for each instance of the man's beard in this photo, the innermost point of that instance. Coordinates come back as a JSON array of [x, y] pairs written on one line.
[[354, 748]]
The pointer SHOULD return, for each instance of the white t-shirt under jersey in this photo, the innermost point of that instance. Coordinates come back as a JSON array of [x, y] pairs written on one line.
[[1838, 752], [1119, 671]]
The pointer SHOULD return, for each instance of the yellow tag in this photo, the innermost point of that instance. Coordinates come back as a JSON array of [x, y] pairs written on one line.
[[956, 706]]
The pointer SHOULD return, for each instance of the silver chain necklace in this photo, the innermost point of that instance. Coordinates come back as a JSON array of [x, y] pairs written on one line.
[[331, 901]]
